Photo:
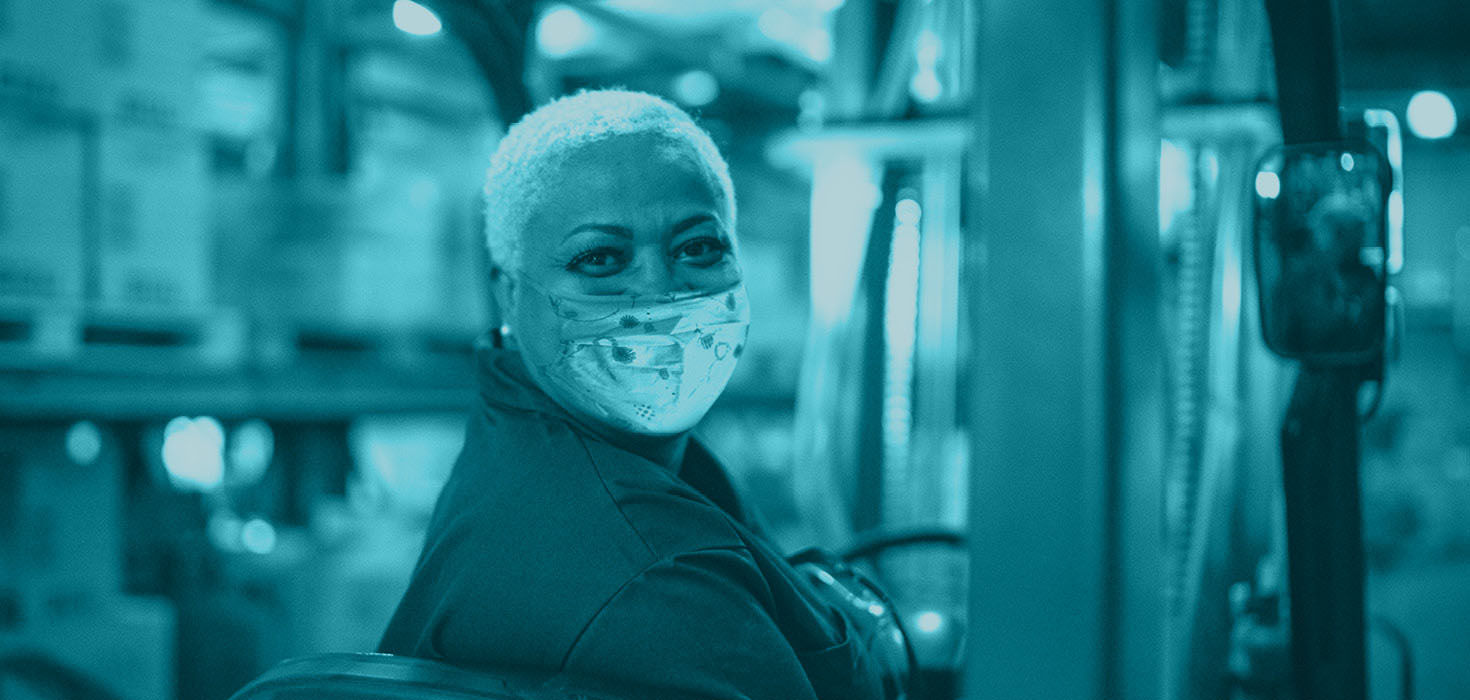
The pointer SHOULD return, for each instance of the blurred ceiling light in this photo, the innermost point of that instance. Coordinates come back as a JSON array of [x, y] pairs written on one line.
[[84, 442], [415, 19], [696, 88], [193, 453], [1431, 115], [562, 31], [817, 44], [1268, 184], [778, 25]]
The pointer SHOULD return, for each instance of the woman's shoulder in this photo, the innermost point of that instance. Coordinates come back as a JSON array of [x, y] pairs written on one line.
[[669, 515], [539, 481], [537, 529]]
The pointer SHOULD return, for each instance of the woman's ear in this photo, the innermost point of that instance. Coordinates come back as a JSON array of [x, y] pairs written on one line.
[[503, 289]]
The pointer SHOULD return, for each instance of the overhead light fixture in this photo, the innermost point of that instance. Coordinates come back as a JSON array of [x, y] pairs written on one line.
[[562, 31], [415, 19], [1431, 115]]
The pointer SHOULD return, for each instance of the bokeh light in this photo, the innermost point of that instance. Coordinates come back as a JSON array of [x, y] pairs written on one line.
[[817, 44], [928, 621], [252, 445], [258, 536], [1268, 184], [562, 31], [1431, 115], [696, 88], [778, 25], [415, 19], [193, 453], [84, 442]]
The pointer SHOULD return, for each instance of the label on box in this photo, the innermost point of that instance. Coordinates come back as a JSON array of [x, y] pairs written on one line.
[[154, 217]]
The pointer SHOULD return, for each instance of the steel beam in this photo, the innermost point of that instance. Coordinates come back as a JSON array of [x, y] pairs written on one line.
[[1066, 397]]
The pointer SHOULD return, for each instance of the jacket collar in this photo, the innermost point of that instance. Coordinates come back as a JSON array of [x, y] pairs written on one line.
[[505, 384]]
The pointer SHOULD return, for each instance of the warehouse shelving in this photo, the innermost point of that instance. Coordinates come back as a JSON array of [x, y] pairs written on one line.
[[78, 360]]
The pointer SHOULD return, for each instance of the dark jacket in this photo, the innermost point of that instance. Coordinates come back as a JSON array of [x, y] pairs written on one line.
[[552, 549]]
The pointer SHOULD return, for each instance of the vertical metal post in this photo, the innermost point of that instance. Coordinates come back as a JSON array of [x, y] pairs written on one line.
[[1066, 408], [315, 142], [1324, 535]]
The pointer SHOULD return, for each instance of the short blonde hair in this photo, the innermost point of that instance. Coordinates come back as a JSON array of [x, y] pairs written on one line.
[[541, 141]]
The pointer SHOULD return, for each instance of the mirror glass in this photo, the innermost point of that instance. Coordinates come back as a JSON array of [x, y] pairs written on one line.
[[1320, 251]]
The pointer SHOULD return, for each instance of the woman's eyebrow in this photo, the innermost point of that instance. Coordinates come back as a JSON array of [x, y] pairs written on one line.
[[691, 222], [613, 229], [626, 232]]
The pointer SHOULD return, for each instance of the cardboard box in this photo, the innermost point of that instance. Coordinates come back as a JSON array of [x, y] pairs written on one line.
[[154, 204], [135, 59], [48, 52], [336, 254], [42, 186], [151, 57]]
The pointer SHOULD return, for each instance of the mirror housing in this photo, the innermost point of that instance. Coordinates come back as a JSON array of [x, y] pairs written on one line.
[[1320, 244]]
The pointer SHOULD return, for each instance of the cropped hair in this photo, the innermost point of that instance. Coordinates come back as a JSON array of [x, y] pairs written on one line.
[[534, 147]]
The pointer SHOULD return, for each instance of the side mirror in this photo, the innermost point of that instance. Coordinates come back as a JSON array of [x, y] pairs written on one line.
[[1321, 251]]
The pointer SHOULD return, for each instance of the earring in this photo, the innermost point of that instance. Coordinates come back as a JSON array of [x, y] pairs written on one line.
[[505, 330]]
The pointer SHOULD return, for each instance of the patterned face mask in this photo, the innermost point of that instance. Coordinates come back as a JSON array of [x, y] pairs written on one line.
[[645, 364]]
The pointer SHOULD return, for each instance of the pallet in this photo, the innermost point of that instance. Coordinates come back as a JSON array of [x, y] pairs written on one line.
[[90, 339], [103, 339], [277, 344]]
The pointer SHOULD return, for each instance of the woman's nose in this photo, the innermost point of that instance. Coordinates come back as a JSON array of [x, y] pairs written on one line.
[[654, 276]]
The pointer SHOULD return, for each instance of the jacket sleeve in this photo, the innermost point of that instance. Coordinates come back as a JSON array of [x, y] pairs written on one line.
[[693, 625]]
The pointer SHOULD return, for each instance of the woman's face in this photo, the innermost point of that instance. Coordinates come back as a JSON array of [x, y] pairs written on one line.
[[629, 216]]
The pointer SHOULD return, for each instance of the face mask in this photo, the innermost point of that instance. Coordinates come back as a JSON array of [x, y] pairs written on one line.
[[644, 364]]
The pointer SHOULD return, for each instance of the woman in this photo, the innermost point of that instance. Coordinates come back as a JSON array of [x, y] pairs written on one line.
[[583, 530]]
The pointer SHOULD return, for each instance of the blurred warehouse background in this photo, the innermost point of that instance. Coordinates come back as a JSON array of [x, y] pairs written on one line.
[[241, 273]]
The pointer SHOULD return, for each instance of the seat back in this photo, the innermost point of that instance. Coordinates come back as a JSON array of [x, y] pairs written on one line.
[[386, 677]]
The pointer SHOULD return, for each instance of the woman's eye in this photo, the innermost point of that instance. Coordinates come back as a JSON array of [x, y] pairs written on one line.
[[598, 262], [703, 252]]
